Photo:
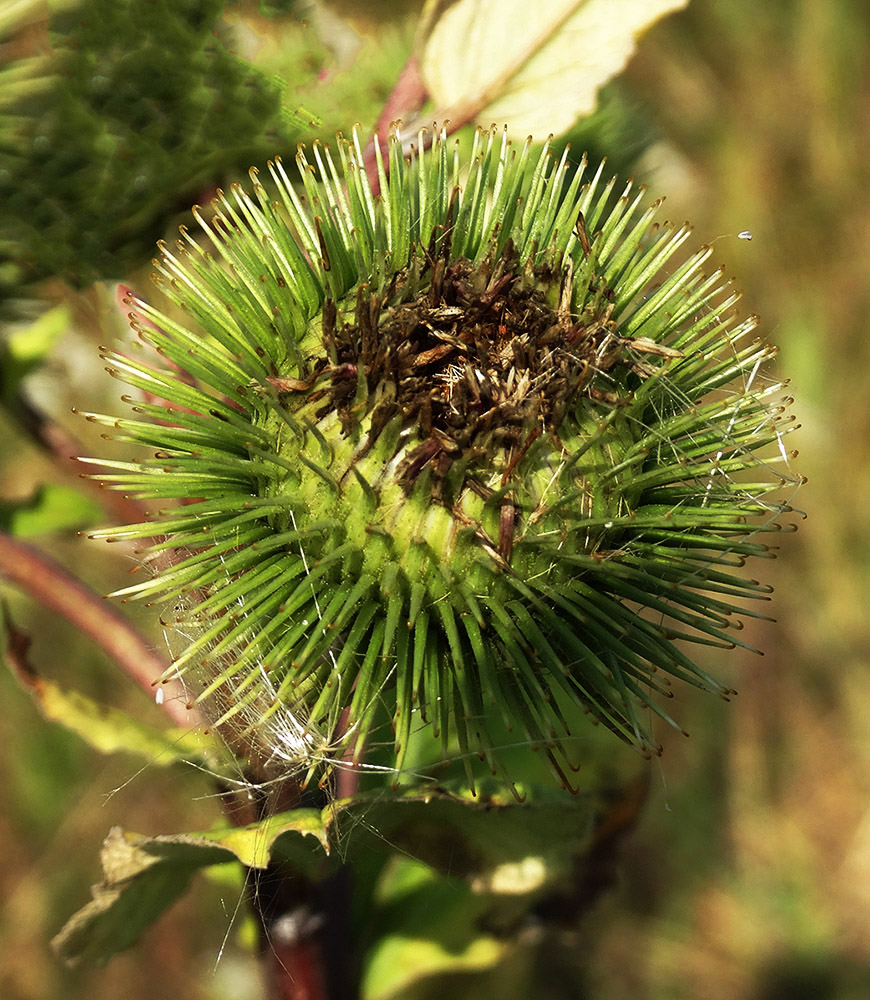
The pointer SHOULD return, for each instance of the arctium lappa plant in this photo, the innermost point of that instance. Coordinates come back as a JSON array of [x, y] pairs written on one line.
[[483, 452]]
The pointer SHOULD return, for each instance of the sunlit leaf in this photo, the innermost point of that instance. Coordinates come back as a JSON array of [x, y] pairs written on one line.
[[142, 876], [507, 855], [436, 930], [537, 70]]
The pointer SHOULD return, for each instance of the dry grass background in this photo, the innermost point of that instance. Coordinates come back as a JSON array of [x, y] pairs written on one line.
[[749, 877]]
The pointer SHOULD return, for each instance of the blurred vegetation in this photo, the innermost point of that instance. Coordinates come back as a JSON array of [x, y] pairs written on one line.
[[762, 893], [121, 112], [749, 878]]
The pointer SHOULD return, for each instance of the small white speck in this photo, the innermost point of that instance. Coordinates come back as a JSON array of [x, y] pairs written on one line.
[[304, 621], [608, 524], [158, 696], [745, 235]]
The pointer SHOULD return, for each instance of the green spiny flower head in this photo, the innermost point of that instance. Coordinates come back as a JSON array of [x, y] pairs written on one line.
[[485, 448]]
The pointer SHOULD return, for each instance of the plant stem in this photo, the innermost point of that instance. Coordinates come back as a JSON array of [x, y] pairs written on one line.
[[292, 938], [63, 448], [406, 97], [58, 590]]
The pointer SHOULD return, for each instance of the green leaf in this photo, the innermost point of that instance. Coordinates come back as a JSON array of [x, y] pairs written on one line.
[[51, 508], [140, 880], [505, 854], [488, 61], [27, 347], [336, 75], [490, 862], [495, 843], [138, 104], [433, 930]]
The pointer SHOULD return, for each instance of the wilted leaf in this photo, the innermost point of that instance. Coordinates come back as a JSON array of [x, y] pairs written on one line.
[[51, 508], [142, 876], [137, 887], [537, 69], [109, 730]]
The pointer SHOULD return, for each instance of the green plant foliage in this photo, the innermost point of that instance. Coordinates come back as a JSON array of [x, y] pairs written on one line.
[[26, 348], [51, 508], [141, 877], [334, 87], [138, 108], [481, 448], [491, 848], [434, 926], [617, 131]]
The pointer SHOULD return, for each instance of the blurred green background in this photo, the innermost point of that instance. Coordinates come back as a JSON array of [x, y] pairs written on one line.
[[749, 875]]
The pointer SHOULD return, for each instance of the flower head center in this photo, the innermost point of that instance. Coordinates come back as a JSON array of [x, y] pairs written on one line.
[[476, 364]]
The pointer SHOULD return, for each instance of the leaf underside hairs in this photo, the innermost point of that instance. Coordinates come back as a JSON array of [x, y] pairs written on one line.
[[486, 449]]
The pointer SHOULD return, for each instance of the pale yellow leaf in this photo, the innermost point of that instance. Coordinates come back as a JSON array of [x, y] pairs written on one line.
[[536, 67]]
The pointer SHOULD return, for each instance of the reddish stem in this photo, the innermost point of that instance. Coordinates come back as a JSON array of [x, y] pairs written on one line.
[[406, 98], [63, 449], [294, 970], [59, 591]]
